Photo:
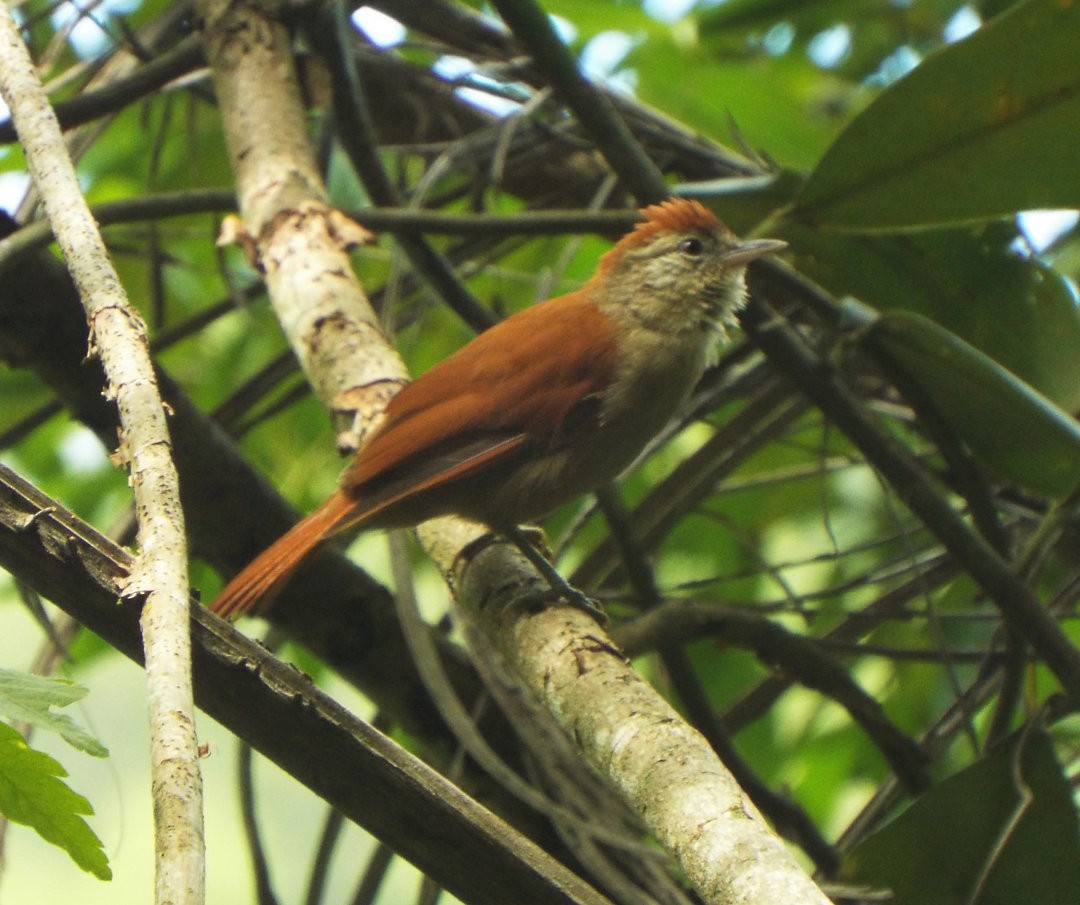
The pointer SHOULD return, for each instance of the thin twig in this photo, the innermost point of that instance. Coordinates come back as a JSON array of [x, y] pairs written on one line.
[[324, 851], [678, 623], [330, 33], [264, 890], [1017, 603], [90, 105], [532, 26]]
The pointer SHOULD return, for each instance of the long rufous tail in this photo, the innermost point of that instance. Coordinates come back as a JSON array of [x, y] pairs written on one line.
[[261, 580]]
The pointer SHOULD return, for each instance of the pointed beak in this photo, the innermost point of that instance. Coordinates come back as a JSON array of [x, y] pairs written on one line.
[[745, 252]]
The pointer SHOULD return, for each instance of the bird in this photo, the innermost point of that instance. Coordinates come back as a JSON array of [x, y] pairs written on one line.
[[546, 405]]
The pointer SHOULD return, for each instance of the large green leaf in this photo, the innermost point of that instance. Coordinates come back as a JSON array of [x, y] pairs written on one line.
[[1017, 310], [32, 793], [980, 129], [1015, 429], [1001, 832]]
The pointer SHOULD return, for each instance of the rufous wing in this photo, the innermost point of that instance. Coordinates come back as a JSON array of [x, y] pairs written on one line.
[[511, 388]]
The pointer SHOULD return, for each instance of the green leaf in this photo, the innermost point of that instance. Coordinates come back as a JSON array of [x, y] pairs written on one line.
[[980, 129], [25, 698], [1000, 832], [32, 794], [1011, 426], [766, 99], [1017, 310]]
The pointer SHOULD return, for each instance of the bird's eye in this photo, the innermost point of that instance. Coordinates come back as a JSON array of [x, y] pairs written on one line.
[[692, 246]]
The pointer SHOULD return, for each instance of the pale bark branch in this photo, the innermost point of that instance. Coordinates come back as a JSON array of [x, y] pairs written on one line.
[[661, 766], [297, 241], [118, 338]]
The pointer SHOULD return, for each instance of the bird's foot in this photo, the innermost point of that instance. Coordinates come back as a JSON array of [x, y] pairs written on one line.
[[579, 600], [560, 588]]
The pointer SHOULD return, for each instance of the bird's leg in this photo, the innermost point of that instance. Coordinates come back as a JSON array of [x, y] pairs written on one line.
[[560, 587]]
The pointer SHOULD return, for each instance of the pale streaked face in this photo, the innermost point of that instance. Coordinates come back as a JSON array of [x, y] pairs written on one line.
[[680, 280]]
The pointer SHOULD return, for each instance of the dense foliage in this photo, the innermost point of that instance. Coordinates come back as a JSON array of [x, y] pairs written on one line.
[[851, 531]]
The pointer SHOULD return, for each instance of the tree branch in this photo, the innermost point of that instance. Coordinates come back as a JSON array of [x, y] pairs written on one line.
[[329, 32], [679, 622], [111, 98], [661, 766], [277, 709], [160, 577]]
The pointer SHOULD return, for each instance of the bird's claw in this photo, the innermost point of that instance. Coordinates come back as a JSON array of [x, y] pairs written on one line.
[[579, 601]]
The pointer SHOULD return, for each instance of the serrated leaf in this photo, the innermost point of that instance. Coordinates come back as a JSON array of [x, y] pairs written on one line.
[[1000, 832], [32, 793], [26, 698], [980, 129], [1008, 424]]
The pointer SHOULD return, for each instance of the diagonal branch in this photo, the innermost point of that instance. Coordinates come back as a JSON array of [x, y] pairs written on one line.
[[675, 624], [231, 510], [662, 767], [278, 710], [690, 802], [532, 26], [144, 81]]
